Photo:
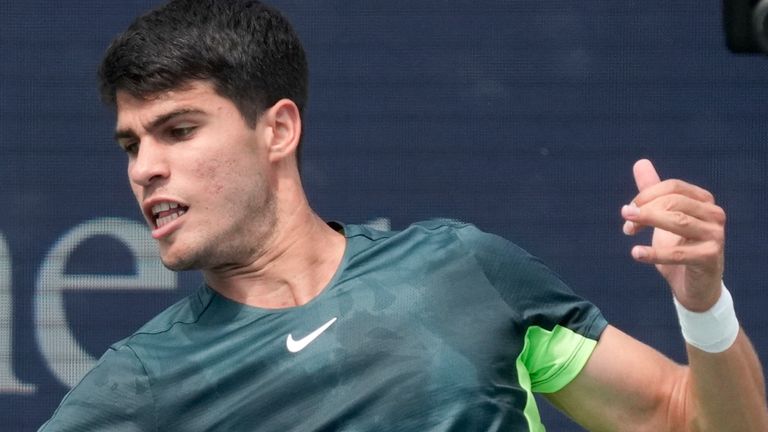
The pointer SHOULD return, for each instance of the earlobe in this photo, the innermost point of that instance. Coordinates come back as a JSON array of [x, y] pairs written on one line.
[[286, 129]]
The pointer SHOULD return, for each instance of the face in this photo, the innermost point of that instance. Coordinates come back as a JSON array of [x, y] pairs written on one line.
[[200, 175]]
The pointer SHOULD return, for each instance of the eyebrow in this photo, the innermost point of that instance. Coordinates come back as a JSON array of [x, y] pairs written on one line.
[[157, 122]]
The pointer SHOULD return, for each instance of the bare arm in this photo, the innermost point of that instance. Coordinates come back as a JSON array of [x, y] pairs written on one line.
[[729, 389], [628, 386]]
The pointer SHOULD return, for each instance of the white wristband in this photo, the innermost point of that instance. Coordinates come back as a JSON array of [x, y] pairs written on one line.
[[712, 331]]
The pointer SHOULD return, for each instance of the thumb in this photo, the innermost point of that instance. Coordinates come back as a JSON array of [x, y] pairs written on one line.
[[645, 174]]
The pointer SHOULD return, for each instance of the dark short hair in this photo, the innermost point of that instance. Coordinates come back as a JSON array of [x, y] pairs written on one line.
[[247, 50]]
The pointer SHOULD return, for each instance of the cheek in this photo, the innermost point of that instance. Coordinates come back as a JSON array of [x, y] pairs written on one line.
[[218, 174]]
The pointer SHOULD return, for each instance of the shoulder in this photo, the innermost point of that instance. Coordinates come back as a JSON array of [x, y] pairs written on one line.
[[435, 225], [438, 239], [443, 243], [436, 229]]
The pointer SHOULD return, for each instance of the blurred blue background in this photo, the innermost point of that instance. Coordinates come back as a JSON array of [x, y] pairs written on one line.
[[523, 117]]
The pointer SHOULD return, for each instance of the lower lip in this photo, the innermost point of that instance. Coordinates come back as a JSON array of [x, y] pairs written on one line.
[[168, 228]]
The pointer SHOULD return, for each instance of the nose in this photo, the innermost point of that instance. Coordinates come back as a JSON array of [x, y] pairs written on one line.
[[149, 165]]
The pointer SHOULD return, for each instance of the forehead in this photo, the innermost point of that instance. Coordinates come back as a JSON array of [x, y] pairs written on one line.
[[134, 112]]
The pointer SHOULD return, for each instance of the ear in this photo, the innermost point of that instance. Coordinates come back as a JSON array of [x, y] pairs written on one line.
[[284, 122]]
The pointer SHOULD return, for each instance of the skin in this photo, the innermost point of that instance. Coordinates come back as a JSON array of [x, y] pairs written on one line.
[[250, 230], [627, 385], [248, 226]]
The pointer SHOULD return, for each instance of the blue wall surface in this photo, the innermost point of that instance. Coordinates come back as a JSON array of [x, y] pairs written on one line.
[[521, 116]]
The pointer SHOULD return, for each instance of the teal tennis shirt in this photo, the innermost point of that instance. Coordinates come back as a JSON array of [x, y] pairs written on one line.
[[439, 327]]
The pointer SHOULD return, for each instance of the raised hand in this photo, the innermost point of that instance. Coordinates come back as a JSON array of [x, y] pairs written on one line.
[[688, 237]]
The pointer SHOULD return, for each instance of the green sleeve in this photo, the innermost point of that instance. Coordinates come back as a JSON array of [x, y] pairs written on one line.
[[114, 396], [553, 358], [561, 329]]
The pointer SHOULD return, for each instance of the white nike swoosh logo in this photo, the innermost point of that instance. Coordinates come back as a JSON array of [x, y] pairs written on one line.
[[295, 346]]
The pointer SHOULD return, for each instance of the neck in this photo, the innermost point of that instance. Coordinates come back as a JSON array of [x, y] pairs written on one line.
[[300, 259]]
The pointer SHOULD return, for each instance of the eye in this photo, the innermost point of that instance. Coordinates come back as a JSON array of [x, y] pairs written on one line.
[[182, 132], [132, 148]]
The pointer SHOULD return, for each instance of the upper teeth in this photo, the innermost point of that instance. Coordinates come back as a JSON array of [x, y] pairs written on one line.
[[164, 206]]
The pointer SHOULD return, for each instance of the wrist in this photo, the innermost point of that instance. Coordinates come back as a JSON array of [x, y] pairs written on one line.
[[714, 330]]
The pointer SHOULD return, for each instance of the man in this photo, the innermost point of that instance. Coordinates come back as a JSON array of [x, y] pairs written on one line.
[[303, 325]]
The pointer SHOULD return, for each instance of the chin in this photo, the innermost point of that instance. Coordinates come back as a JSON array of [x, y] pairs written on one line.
[[178, 262], [175, 265]]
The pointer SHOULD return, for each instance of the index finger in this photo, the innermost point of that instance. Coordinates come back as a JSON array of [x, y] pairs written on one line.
[[672, 187]]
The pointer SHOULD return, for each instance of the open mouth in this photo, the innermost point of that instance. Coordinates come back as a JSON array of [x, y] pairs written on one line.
[[166, 212]]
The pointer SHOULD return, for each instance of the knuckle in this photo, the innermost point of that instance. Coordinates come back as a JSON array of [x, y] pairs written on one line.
[[681, 219], [718, 214], [678, 186], [678, 255], [668, 202]]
